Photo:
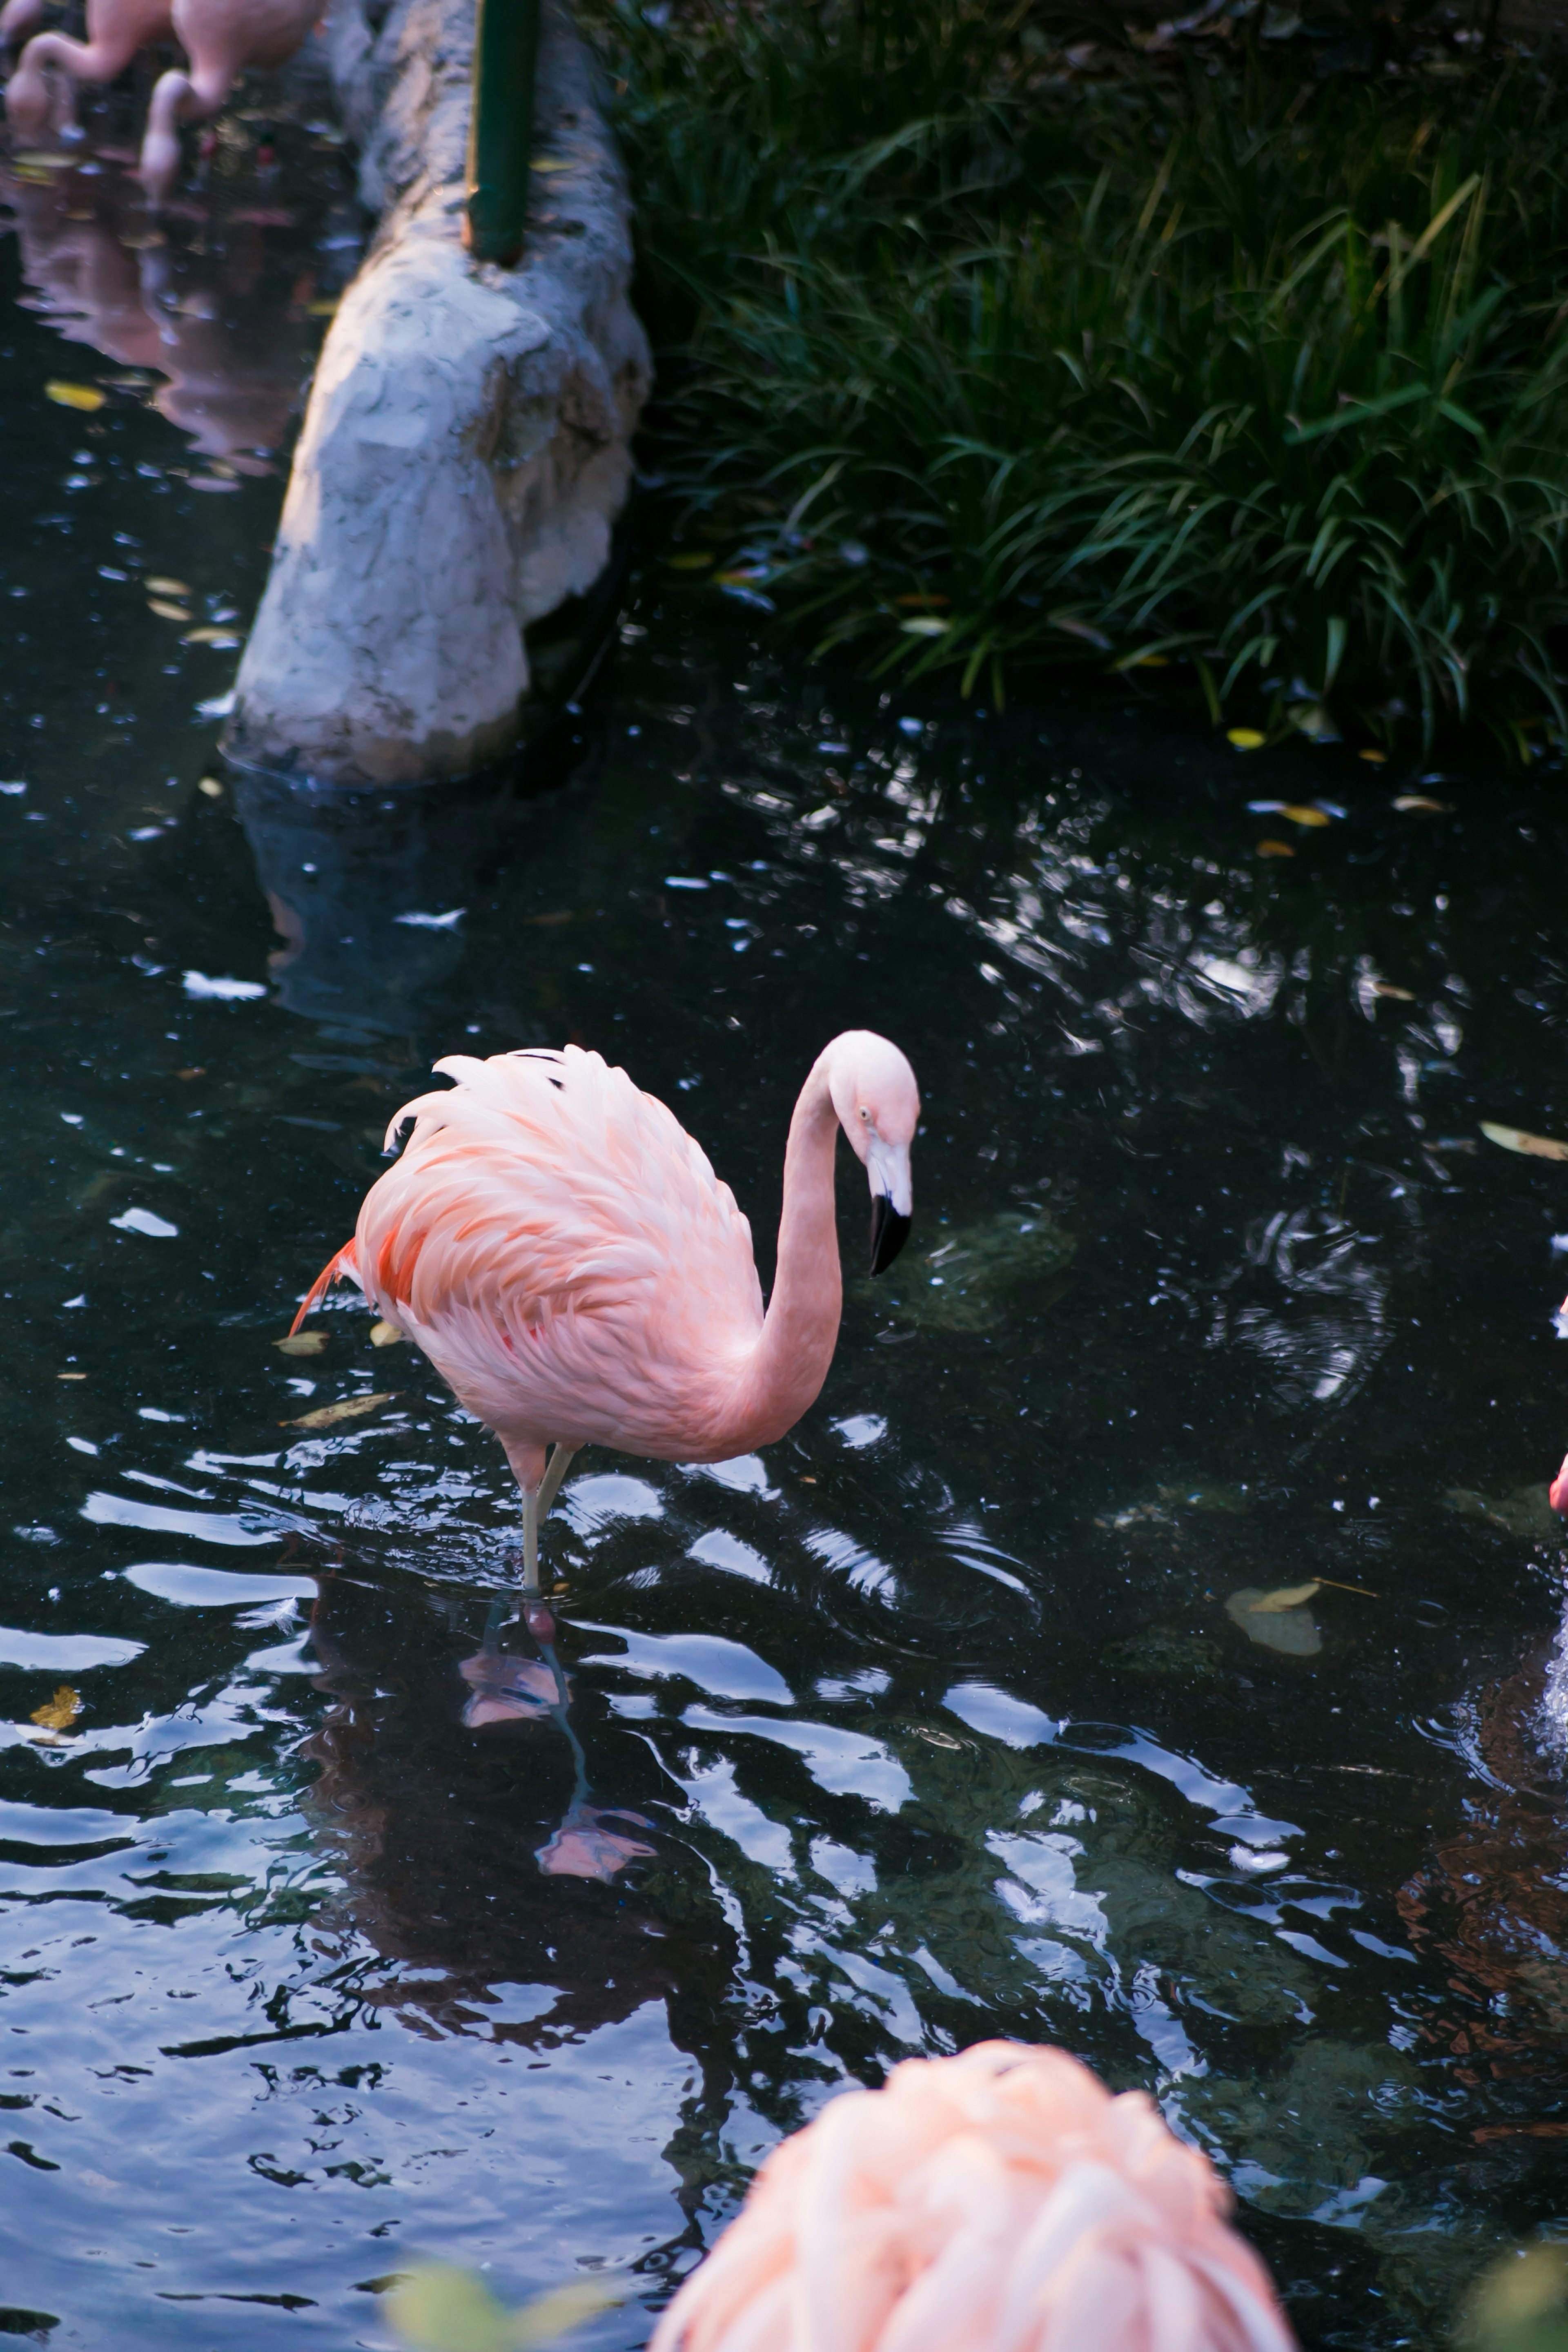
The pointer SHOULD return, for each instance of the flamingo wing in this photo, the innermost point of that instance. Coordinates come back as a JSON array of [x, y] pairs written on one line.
[[563, 1251]]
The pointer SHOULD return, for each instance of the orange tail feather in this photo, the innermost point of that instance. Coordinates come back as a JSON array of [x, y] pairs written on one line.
[[344, 1263]]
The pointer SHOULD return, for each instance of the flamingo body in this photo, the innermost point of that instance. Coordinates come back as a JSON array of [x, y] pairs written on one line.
[[565, 1256], [1000, 2202]]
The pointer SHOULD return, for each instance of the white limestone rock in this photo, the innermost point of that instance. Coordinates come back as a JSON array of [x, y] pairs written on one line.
[[467, 445]]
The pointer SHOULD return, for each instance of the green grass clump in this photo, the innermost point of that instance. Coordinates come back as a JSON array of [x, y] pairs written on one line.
[[973, 365]]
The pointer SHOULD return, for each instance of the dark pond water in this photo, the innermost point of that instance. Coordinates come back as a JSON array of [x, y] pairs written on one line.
[[945, 1717]]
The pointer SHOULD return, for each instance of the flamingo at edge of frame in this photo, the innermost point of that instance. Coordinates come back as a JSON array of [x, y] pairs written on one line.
[[563, 1253], [1002, 2201]]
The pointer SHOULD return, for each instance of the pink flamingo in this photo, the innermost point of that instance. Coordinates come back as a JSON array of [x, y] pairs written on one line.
[[565, 1256], [999, 2201], [116, 29], [220, 37]]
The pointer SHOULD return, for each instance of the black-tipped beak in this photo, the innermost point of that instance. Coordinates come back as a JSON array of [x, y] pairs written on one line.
[[889, 1231]]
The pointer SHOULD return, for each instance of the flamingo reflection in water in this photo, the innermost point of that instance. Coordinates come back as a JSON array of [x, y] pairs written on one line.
[[442, 1837], [233, 371], [508, 1688]]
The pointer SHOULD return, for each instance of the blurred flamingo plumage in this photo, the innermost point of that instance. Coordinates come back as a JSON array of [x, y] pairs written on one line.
[[565, 1256], [1000, 2202]]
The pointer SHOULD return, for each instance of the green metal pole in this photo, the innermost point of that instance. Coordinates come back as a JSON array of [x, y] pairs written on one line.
[[500, 130]]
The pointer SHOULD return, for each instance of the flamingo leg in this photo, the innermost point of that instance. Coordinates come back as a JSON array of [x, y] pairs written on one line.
[[531, 1545], [536, 1509], [550, 1486]]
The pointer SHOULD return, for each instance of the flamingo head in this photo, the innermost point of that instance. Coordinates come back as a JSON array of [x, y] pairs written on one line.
[[1557, 1493], [878, 1106]]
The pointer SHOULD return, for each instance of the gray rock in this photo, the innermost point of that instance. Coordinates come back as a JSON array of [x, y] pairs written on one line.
[[467, 445]]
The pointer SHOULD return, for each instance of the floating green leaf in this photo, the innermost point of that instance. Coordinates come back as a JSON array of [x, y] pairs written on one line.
[[441, 2307]]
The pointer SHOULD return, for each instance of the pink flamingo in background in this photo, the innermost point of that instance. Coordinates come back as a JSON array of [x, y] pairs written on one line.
[[565, 1256], [116, 29], [999, 2201], [220, 37]]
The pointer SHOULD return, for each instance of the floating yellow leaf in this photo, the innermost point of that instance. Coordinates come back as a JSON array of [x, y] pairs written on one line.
[[928, 626], [690, 560], [1373, 759], [299, 1343], [60, 1712], [1289, 1596], [156, 585], [1303, 813], [1388, 987], [71, 1376], [326, 1415], [85, 396], [386, 1334], [1275, 850], [549, 163], [45, 160], [1515, 1139], [1245, 739], [165, 611], [209, 637], [214, 791], [1407, 801]]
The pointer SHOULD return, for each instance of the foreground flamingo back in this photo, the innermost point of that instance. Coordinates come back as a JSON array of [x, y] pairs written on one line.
[[551, 1236], [999, 2201]]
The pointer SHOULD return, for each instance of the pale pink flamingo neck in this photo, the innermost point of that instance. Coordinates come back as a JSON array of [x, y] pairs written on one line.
[[791, 1361]]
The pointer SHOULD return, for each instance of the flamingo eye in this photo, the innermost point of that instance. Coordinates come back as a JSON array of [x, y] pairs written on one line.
[[864, 1113]]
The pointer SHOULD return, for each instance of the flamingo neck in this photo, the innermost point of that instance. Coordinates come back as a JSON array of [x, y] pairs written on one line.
[[801, 1326]]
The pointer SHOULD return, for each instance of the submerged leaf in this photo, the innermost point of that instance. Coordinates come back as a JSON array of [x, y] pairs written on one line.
[[1302, 812], [85, 396], [1245, 739], [977, 1275], [387, 1334], [1407, 802], [158, 584], [1516, 1139], [925, 624], [165, 611], [1388, 988], [60, 1712], [326, 1415], [299, 1343], [1526, 1512], [1275, 850], [690, 560], [1288, 1629], [1268, 1604]]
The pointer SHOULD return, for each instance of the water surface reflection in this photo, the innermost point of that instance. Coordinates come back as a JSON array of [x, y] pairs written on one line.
[[946, 1717]]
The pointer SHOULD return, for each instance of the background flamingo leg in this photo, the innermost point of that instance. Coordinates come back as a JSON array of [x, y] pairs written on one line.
[[176, 97]]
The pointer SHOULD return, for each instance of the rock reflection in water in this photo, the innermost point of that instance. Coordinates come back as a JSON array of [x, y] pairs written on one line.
[[369, 891], [464, 1850], [233, 364]]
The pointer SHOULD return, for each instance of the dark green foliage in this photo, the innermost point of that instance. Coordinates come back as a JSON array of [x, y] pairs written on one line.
[[1263, 372]]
